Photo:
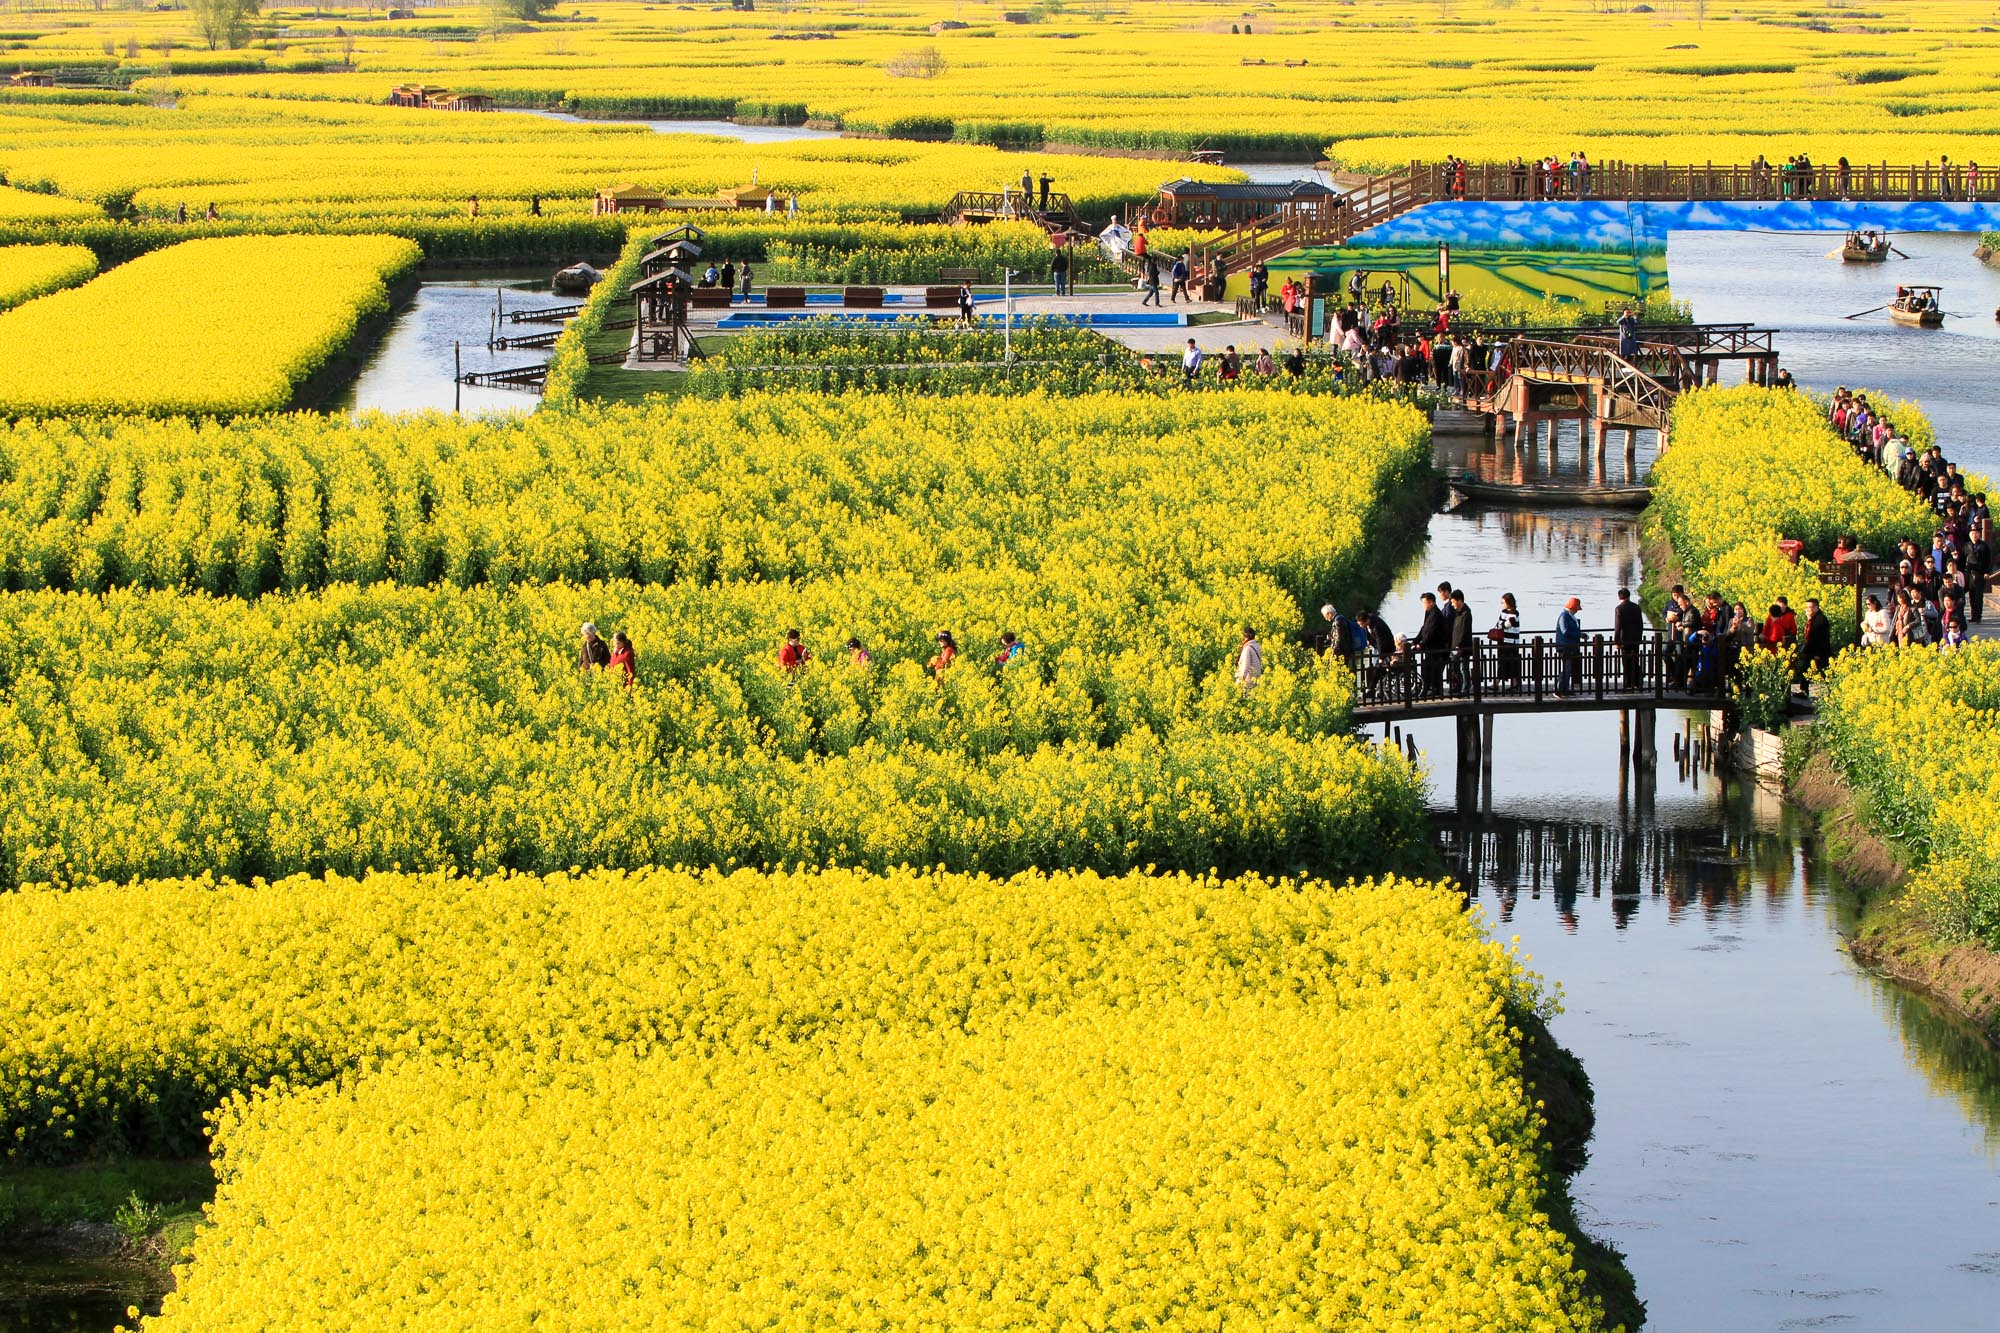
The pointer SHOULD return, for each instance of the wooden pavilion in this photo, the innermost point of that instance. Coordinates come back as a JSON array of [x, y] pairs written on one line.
[[661, 301], [628, 199], [1185, 202], [417, 94]]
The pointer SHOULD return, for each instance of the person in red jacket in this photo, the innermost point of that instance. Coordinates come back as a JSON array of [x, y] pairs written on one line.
[[621, 656], [947, 650], [794, 654]]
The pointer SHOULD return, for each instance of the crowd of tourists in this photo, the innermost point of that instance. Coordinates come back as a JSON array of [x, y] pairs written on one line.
[[1698, 649], [1938, 592]]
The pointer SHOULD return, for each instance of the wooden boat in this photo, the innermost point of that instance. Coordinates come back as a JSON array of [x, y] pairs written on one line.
[[1865, 247], [576, 279], [1537, 494], [1919, 307]]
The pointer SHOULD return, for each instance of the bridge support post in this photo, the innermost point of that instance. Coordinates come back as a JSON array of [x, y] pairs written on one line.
[[1486, 762], [1644, 756]]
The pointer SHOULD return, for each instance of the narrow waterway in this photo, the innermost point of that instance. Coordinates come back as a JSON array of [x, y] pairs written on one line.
[[1783, 1140], [447, 324], [724, 129]]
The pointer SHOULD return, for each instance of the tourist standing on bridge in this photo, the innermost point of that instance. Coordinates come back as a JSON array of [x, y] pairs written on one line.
[[1464, 645], [1569, 647], [1433, 644], [1506, 636], [1628, 334], [1046, 182], [1628, 631], [1682, 618]]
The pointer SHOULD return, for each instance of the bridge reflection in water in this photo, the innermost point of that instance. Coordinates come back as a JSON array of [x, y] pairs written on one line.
[[1696, 868]]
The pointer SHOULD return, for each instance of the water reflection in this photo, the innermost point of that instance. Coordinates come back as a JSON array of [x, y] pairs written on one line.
[[1560, 452], [46, 1295], [1951, 1055], [1783, 1139]]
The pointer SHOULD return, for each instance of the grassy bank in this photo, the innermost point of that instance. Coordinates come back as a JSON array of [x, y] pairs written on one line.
[[1894, 936]]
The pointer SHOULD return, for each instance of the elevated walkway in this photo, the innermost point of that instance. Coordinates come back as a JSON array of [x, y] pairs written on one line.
[[1617, 205]]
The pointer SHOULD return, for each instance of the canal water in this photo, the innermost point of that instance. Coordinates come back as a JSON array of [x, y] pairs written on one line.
[[1783, 1140], [447, 324]]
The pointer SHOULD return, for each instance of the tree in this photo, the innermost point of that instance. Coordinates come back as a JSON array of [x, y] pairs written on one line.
[[926, 62], [224, 23]]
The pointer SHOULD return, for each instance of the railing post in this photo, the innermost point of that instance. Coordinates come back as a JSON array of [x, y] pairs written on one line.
[[1597, 663], [1535, 665]]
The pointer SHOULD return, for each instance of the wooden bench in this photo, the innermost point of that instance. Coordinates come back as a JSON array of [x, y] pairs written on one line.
[[709, 298], [937, 298], [784, 298], [956, 275], [861, 298]]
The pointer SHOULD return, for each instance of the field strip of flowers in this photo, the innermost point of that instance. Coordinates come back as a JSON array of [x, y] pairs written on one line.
[[1748, 466], [159, 734], [302, 980], [32, 206], [1904, 78], [1879, 719], [829, 1098], [288, 166], [768, 486], [28, 271], [209, 327]]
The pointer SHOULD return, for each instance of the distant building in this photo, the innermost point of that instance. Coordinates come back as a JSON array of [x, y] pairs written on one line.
[[417, 94], [628, 199], [33, 78]]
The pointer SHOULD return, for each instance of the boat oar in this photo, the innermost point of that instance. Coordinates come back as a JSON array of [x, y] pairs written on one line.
[[1834, 253], [1859, 313], [1898, 253]]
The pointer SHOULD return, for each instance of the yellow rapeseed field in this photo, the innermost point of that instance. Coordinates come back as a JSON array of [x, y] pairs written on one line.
[[1881, 716], [28, 271], [819, 1101], [215, 326]]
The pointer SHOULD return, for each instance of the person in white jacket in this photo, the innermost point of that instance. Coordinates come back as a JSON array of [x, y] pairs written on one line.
[[1249, 662]]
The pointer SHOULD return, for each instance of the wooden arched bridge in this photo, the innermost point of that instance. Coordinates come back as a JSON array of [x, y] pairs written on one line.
[[1557, 374]]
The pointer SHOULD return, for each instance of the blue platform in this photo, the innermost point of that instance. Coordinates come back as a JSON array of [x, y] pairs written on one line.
[[1614, 224]]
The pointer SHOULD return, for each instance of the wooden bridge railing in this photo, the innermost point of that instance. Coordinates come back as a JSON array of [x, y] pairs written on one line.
[[1666, 182], [1012, 204], [1582, 363], [1536, 673]]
